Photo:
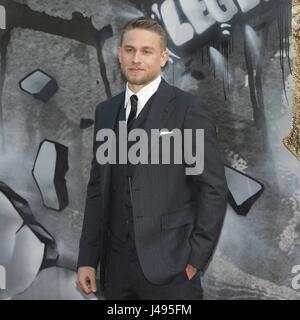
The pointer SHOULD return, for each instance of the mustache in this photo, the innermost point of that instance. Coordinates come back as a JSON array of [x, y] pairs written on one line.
[[136, 68]]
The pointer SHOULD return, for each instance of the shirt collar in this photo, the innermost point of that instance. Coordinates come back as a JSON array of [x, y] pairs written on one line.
[[145, 93]]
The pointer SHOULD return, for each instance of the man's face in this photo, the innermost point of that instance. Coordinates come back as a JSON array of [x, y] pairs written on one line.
[[141, 56]]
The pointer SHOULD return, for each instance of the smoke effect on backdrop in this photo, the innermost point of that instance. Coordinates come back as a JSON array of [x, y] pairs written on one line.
[[58, 61]]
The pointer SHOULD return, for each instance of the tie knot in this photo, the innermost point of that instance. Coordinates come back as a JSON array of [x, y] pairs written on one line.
[[134, 99], [133, 110]]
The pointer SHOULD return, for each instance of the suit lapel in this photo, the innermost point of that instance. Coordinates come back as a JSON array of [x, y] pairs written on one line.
[[110, 114], [108, 121], [160, 110]]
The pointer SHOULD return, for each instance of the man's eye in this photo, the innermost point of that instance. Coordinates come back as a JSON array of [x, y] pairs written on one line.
[[147, 52], [128, 50]]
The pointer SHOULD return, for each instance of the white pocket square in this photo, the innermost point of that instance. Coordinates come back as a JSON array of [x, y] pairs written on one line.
[[162, 133]]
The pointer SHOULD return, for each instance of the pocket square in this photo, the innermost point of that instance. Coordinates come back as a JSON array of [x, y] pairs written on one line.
[[162, 133]]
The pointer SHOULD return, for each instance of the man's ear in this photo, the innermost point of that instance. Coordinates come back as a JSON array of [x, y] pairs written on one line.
[[119, 52], [164, 58]]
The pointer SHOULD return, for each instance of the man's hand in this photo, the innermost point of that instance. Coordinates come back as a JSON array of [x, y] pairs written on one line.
[[190, 271], [86, 279]]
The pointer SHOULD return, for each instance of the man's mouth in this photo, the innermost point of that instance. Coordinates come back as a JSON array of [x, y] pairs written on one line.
[[135, 69]]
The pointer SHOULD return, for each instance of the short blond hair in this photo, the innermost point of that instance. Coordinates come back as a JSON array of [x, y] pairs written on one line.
[[146, 24]]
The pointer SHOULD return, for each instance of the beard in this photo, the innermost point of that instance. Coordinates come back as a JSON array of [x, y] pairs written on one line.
[[138, 79]]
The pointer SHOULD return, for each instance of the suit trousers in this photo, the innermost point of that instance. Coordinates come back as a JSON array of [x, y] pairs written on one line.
[[125, 279]]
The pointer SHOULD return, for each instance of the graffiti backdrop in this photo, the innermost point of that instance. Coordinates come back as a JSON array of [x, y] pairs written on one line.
[[58, 61]]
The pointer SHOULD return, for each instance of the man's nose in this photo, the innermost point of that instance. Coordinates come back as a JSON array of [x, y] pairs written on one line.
[[136, 57]]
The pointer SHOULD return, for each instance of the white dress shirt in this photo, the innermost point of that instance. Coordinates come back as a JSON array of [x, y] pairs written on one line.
[[143, 96]]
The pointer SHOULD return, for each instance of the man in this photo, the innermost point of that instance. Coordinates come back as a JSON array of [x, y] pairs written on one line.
[[152, 227]]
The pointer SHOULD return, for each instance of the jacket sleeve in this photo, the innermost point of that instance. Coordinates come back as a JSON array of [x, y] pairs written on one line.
[[90, 240], [212, 190]]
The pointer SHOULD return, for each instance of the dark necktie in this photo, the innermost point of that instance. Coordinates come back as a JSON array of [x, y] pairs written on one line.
[[133, 110]]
